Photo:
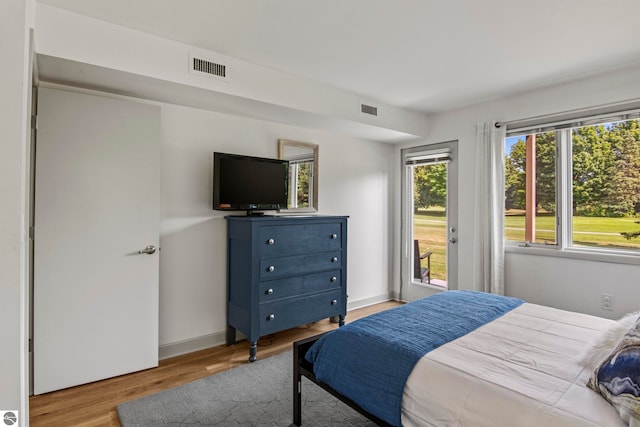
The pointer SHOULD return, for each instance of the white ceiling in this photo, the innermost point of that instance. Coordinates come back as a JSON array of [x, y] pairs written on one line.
[[426, 55]]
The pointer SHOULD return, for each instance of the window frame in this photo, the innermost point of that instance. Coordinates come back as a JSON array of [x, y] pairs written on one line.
[[424, 154], [564, 247]]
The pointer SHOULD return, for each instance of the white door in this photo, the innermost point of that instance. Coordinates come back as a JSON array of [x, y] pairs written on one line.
[[430, 218], [96, 205]]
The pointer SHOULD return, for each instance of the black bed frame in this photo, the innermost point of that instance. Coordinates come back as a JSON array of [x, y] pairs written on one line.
[[302, 367]]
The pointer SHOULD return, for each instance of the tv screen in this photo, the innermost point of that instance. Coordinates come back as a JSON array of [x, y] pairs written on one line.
[[249, 183]]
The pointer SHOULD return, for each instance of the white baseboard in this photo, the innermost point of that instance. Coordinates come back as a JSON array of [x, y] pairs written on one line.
[[219, 338], [365, 302], [190, 345]]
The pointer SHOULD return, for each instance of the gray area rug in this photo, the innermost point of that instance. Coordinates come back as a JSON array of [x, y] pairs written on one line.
[[256, 394]]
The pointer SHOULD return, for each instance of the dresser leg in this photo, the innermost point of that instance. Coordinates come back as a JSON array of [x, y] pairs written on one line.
[[341, 321], [231, 335], [253, 349]]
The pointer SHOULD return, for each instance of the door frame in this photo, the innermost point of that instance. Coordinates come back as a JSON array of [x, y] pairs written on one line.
[[409, 289]]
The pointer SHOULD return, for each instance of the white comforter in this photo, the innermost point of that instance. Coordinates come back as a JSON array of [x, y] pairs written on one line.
[[522, 369]]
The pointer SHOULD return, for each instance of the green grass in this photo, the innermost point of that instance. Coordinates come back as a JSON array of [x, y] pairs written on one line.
[[430, 229], [587, 231]]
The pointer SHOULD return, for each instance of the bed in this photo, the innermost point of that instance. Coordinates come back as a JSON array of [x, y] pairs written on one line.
[[465, 358]]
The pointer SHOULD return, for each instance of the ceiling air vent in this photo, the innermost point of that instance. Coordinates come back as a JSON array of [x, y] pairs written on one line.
[[208, 68], [369, 109]]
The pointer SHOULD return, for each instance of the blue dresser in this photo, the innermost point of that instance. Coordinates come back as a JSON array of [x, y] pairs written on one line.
[[284, 272]]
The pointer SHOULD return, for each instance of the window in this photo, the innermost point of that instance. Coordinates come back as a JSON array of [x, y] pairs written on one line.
[[530, 188], [575, 185]]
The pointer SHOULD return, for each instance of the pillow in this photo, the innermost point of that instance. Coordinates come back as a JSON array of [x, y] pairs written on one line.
[[617, 378], [600, 348]]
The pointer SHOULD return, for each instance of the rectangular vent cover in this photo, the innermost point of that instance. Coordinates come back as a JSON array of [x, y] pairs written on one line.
[[368, 109], [208, 67]]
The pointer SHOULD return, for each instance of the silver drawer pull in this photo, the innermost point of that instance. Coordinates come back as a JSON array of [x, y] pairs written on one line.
[[271, 317], [269, 291], [270, 242], [271, 268], [334, 259], [334, 278], [334, 301], [334, 236]]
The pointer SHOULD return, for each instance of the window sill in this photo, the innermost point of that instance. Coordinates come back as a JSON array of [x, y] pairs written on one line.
[[573, 253]]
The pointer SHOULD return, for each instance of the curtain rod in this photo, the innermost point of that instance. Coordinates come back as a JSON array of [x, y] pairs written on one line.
[[630, 104]]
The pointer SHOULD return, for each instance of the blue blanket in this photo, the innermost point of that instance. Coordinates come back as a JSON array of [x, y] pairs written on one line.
[[370, 359]]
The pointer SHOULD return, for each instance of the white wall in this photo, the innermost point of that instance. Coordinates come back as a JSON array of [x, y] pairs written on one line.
[[559, 282], [355, 174], [15, 20], [70, 36], [573, 284], [355, 180]]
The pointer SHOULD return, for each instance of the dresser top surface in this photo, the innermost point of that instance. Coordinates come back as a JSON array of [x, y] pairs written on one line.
[[267, 218]]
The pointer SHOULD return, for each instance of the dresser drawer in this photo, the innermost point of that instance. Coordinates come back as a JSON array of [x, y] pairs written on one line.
[[273, 290], [285, 314], [301, 264], [278, 240]]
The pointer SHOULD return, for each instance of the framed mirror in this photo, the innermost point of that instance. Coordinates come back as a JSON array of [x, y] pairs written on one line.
[[303, 174]]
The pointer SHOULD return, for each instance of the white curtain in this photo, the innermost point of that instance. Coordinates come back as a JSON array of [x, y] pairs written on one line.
[[489, 209]]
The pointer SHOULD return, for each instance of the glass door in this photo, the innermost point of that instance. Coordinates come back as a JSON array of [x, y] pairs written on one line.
[[429, 261]]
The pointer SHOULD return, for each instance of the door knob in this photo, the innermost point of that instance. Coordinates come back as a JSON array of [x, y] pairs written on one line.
[[148, 250]]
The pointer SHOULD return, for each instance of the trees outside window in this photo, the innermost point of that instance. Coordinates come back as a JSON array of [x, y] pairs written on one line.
[[429, 215], [430, 186], [602, 194]]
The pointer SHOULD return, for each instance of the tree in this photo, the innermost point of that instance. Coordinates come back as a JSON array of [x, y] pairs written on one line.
[[605, 175], [592, 157], [429, 186], [622, 188], [514, 182], [303, 184], [515, 173], [546, 171]]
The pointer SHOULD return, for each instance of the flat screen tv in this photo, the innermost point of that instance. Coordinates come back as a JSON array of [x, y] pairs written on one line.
[[249, 183]]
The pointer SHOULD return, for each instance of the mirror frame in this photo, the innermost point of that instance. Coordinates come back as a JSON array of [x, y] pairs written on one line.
[[282, 143]]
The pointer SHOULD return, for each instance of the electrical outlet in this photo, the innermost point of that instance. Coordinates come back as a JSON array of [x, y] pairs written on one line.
[[606, 302]]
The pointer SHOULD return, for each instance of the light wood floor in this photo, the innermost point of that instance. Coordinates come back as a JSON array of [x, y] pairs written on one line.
[[95, 404]]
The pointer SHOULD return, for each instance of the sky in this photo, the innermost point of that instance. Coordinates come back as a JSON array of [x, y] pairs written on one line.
[[509, 142]]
